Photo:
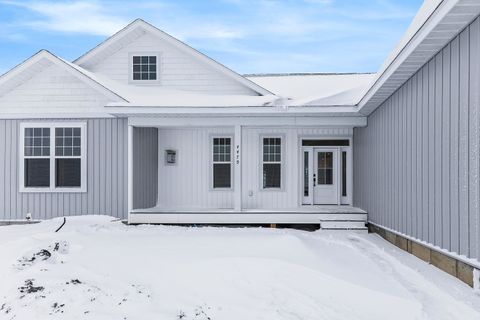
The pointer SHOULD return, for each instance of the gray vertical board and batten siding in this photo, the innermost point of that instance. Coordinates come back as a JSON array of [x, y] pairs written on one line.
[[416, 164], [145, 167], [106, 175]]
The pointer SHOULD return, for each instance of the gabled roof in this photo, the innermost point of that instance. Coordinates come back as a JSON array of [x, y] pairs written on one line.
[[435, 25], [136, 28], [43, 59]]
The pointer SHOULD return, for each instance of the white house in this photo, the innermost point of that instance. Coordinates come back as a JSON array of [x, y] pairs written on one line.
[[200, 143], [146, 128]]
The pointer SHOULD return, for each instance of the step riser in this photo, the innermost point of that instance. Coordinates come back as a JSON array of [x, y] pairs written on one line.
[[346, 230], [344, 217], [342, 224]]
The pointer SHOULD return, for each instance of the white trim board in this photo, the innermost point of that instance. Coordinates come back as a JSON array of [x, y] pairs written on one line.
[[45, 56], [55, 115], [248, 121], [240, 218], [302, 215]]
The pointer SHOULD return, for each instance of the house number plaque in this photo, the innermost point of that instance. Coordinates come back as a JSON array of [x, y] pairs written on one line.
[[237, 154]]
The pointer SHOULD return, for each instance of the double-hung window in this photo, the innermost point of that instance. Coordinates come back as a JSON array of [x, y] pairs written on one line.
[[272, 162], [222, 163], [53, 157]]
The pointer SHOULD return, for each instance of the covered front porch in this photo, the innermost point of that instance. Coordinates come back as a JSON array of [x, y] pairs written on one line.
[[273, 171]]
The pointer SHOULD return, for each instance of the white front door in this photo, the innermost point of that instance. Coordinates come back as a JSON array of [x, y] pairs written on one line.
[[325, 176]]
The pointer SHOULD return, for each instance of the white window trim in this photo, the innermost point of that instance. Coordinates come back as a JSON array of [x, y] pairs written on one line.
[[282, 161], [130, 67], [52, 157], [232, 178]]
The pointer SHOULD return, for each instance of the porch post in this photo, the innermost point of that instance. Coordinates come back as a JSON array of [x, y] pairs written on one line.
[[130, 169], [238, 168]]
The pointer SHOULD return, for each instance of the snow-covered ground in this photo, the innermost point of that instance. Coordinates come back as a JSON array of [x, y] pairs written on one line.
[[95, 268]]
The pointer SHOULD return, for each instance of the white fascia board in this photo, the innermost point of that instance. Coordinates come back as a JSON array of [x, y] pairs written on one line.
[[77, 72], [20, 67], [294, 121], [180, 46], [85, 57], [44, 54], [442, 10], [249, 110], [53, 115]]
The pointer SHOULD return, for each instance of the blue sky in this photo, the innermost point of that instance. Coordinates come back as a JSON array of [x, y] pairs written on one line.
[[249, 36]]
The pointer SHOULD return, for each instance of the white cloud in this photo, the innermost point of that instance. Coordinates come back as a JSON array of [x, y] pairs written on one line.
[[77, 17]]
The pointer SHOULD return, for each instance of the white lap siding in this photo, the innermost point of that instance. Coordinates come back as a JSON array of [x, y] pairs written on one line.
[[106, 175], [176, 69], [52, 88]]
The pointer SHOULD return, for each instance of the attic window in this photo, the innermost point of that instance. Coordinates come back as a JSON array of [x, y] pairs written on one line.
[[144, 68]]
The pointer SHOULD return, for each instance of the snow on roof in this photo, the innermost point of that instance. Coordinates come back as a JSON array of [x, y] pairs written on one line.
[[296, 90], [139, 96], [291, 90], [157, 96], [316, 88]]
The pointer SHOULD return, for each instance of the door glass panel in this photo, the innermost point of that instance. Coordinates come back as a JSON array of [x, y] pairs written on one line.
[[344, 173], [321, 176], [325, 168], [305, 174], [328, 160], [328, 176]]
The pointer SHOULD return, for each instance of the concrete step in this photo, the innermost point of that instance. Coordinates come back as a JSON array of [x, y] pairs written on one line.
[[342, 224]]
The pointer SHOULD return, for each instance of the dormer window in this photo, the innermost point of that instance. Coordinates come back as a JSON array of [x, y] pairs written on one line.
[[144, 67]]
